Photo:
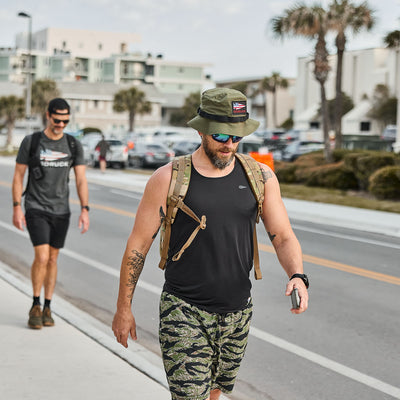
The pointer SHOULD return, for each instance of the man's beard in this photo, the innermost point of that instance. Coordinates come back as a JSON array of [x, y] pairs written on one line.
[[218, 162]]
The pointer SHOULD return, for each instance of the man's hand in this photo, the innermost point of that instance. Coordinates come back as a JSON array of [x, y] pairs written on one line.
[[123, 324], [303, 294], [83, 222], [19, 218]]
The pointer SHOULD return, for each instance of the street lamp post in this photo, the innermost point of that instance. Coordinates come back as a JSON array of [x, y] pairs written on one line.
[[29, 65]]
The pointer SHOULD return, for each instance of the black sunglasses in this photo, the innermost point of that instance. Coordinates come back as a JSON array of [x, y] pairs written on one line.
[[58, 121], [223, 138]]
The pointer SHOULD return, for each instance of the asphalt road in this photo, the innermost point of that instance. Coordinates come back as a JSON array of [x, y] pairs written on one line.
[[344, 347]]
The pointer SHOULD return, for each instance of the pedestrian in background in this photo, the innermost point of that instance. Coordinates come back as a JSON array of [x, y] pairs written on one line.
[[47, 211], [103, 147], [206, 306]]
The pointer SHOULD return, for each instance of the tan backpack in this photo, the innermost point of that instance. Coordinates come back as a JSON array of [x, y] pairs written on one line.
[[181, 170]]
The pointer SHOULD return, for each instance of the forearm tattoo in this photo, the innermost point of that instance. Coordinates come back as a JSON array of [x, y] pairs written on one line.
[[135, 265], [266, 175], [271, 236], [162, 217]]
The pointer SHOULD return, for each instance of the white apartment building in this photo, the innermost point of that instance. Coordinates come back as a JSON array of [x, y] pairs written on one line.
[[363, 70], [68, 55]]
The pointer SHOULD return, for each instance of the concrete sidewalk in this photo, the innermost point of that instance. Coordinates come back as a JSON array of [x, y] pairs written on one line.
[[63, 362]]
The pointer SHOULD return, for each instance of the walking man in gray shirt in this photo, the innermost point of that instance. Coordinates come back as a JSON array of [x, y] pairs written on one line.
[[49, 155]]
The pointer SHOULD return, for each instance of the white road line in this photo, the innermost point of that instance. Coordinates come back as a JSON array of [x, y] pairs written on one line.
[[130, 194], [258, 333], [344, 236], [327, 363]]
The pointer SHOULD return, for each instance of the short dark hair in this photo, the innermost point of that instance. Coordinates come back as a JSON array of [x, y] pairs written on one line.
[[58, 104]]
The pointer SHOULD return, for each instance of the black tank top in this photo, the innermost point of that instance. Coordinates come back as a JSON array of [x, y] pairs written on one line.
[[213, 272]]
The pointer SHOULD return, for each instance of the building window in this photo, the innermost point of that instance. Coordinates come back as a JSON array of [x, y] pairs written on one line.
[[100, 46], [96, 103], [365, 126]]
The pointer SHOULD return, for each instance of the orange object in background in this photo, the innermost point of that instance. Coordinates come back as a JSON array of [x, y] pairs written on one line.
[[130, 145], [266, 158]]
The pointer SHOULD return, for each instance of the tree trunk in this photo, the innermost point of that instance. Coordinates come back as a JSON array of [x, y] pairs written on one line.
[[321, 72], [44, 120], [274, 108], [10, 128], [131, 121], [340, 44], [325, 129], [265, 95]]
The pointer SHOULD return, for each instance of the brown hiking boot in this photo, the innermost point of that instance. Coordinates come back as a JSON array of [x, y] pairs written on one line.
[[35, 318], [47, 318]]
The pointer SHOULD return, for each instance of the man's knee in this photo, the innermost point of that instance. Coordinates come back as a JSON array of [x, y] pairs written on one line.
[[53, 256], [42, 255], [214, 394]]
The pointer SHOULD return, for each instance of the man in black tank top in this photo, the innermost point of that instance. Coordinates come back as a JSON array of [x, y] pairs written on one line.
[[205, 307]]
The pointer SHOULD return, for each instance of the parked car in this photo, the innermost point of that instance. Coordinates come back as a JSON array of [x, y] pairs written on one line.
[[182, 148], [297, 148], [117, 155], [149, 155], [389, 133]]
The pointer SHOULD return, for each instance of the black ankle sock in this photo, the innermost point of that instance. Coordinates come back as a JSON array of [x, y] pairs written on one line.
[[36, 301], [47, 303]]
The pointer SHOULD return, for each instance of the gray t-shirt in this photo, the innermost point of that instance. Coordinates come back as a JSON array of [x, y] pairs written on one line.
[[51, 193]]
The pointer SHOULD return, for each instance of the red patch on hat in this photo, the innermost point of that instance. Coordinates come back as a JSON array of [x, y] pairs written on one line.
[[239, 108]]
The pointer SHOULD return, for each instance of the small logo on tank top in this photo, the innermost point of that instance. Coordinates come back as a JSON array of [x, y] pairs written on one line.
[[242, 187]]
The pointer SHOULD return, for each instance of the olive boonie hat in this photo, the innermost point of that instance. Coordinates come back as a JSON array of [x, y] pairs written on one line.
[[223, 110]]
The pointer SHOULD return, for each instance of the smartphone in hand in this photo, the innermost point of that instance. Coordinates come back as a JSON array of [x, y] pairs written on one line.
[[295, 299]]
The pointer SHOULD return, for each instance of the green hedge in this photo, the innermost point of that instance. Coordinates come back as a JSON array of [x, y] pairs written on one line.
[[367, 165], [335, 176], [385, 183], [355, 170], [286, 173]]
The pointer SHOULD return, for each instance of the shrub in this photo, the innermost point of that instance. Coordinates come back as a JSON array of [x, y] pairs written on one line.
[[311, 159], [368, 164], [286, 173], [333, 176], [385, 183], [340, 154]]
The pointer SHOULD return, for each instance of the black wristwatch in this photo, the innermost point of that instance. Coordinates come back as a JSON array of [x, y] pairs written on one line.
[[85, 207], [303, 277]]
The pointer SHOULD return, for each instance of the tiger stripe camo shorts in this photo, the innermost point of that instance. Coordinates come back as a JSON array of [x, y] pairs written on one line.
[[201, 350]]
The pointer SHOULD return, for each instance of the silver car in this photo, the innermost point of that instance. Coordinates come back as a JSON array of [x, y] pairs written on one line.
[[149, 155], [117, 155]]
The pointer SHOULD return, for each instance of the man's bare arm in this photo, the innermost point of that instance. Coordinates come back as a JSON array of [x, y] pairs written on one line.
[[147, 222], [280, 232]]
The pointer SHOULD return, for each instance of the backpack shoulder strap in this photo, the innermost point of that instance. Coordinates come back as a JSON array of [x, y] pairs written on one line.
[[255, 177], [34, 157], [180, 178], [34, 145], [72, 147], [256, 180]]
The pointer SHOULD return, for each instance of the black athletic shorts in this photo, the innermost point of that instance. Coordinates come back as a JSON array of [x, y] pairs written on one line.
[[45, 228]]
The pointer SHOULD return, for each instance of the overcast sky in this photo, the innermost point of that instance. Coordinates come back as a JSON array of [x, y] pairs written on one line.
[[232, 35]]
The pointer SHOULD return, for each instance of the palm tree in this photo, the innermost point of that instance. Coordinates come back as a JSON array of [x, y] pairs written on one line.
[[11, 109], [132, 100], [274, 82], [344, 15], [311, 23], [42, 92]]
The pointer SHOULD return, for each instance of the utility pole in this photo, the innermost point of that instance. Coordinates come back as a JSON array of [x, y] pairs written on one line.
[[29, 66]]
